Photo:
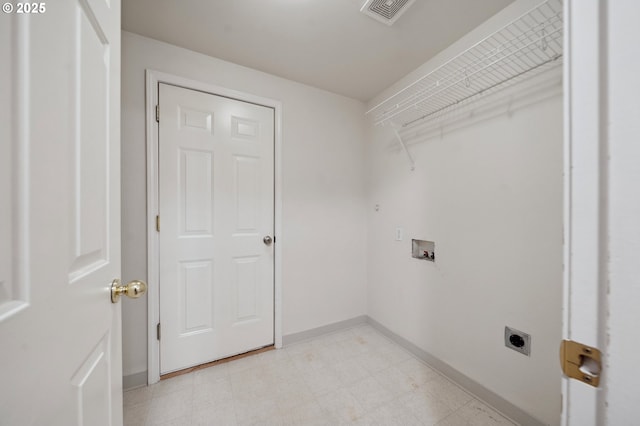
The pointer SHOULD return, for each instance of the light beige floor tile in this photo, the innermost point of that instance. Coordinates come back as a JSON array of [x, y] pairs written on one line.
[[417, 370], [309, 414], [364, 328], [174, 405], [244, 364], [443, 390], [283, 369], [351, 348], [356, 377], [253, 383], [259, 374], [369, 336], [136, 415], [274, 420], [339, 336], [350, 372], [427, 409], [364, 343], [298, 348], [174, 384], [332, 338], [342, 406], [213, 394], [212, 373], [249, 410], [137, 396], [373, 361], [179, 421], [312, 358], [396, 381], [391, 414], [475, 413], [214, 416], [343, 350], [292, 394], [330, 352], [394, 353], [322, 381], [274, 355], [370, 394]]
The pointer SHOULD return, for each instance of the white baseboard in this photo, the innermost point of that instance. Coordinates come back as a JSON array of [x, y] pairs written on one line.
[[325, 329], [479, 391], [133, 381]]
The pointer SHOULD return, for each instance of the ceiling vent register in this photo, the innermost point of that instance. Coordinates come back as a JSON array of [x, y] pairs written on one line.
[[386, 11]]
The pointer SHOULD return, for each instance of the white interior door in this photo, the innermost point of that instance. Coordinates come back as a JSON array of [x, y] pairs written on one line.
[[60, 356], [216, 200]]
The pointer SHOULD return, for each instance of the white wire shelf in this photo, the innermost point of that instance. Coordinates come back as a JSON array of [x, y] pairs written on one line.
[[531, 42]]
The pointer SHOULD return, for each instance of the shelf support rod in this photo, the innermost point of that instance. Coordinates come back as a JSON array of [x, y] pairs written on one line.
[[404, 147]]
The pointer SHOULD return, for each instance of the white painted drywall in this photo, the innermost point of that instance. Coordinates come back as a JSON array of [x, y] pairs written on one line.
[[490, 196], [324, 235], [488, 190], [623, 287]]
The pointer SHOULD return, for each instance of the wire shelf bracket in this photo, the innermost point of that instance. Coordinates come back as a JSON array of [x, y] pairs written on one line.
[[406, 151], [529, 44]]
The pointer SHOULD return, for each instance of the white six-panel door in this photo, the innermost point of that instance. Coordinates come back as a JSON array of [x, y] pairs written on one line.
[[216, 204], [60, 344]]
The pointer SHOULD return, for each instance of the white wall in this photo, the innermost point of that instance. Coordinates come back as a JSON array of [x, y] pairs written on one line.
[[323, 236], [488, 191]]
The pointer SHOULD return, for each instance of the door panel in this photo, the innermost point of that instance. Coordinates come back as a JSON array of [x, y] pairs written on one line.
[[89, 180], [196, 296], [88, 382], [246, 185], [196, 193], [216, 204], [246, 285], [60, 361]]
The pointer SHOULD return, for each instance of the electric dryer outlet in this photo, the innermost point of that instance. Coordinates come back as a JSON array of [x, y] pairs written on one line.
[[517, 340]]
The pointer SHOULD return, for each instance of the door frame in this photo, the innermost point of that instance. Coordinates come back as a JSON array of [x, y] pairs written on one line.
[[586, 201], [153, 78]]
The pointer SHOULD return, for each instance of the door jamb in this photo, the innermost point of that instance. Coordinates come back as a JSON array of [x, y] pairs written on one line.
[[153, 265]]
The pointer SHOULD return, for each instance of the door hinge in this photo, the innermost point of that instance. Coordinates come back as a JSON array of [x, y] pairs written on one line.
[[581, 362], [158, 223], [158, 331], [158, 113]]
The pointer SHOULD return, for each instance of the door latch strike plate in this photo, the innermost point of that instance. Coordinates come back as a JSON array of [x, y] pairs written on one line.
[[581, 362]]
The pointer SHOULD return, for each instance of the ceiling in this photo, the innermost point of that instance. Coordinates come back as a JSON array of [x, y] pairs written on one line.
[[323, 43]]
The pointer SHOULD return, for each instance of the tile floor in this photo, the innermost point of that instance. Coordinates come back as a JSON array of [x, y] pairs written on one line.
[[356, 376]]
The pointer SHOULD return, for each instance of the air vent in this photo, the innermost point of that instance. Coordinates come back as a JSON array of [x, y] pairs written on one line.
[[387, 11]]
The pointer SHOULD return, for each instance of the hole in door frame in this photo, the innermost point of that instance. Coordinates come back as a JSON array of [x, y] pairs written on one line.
[[153, 78]]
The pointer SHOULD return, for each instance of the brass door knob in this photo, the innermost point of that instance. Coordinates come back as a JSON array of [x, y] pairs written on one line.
[[133, 289]]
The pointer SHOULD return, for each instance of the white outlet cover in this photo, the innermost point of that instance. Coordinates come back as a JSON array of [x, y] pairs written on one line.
[[399, 234]]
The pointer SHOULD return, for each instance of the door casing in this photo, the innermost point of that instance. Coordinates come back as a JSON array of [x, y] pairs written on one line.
[[153, 243]]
